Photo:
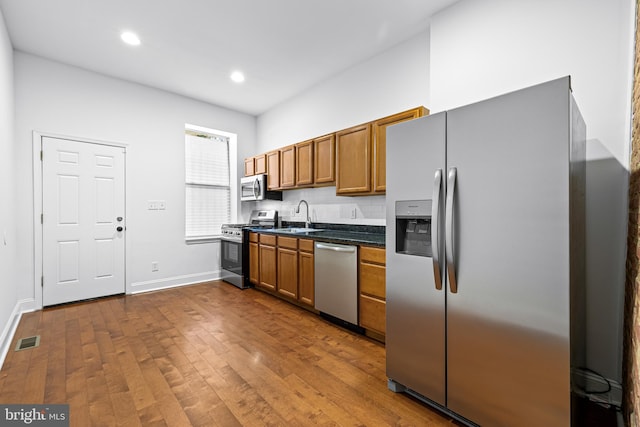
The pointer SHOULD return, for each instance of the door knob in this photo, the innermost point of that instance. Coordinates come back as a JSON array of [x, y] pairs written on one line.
[[119, 218], [119, 228]]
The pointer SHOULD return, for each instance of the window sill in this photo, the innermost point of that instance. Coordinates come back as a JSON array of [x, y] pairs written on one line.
[[201, 239]]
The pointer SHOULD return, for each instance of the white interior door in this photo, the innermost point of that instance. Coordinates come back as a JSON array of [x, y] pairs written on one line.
[[83, 204]]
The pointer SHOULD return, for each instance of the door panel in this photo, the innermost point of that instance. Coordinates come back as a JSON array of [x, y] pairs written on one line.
[[83, 195], [508, 323], [415, 309]]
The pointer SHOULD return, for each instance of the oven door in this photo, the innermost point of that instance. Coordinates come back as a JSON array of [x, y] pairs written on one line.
[[231, 257]]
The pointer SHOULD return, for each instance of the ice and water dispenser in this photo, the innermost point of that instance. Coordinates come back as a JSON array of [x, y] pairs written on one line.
[[413, 227]]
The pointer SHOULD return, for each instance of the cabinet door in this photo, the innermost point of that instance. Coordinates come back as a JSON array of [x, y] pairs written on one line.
[[268, 267], [306, 288], [288, 166], [288, 272], [324, 160], [372, 314], [260, 164], [304, 163], [273, 170], [249, 170], [372, 275], [353, 160], [254, 263], [379, 132]]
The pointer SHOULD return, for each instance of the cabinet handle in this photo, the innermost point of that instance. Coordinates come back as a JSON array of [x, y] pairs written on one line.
[[335, 248]]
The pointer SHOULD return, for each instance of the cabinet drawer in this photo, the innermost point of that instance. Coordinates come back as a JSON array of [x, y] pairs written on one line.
[[373, 314], [267, 239], [288, 242], [372, 280], [253, 237], [305, 245], [374, 255]]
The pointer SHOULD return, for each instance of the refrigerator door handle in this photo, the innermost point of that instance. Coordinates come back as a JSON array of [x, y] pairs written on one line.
[[435, 228], [449, 249]]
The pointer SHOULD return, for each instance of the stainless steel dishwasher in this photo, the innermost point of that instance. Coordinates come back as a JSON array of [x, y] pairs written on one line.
[[336, 281]]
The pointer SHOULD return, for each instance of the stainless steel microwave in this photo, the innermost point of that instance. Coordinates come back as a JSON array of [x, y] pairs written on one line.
[[254, 188]]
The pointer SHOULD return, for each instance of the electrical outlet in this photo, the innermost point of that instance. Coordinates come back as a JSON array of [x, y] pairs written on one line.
[[154, 266], [353, 213], [152, 205]]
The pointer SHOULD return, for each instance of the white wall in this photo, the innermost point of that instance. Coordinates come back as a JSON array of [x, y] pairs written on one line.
[[482, 49], [60, 99], [393, 81], [9, 277]]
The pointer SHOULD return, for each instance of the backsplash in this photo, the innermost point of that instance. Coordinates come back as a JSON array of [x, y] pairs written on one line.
[[326, 207]]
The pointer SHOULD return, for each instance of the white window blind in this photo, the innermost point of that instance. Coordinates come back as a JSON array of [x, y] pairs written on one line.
[[207, 184]]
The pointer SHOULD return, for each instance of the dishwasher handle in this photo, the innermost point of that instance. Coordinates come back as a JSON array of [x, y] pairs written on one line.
[[335, 248]]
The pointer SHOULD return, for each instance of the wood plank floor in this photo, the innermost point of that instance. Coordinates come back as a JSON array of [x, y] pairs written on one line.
[[203, 355]]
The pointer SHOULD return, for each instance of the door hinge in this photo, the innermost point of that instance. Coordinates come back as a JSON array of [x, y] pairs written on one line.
[[41, 218], [41, 155], [42, 281]]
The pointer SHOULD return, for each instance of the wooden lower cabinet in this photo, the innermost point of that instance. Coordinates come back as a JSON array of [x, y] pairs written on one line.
[[372, 298], [288, 266], [254, 259], [306, 277], [268, 262], [283, 266]]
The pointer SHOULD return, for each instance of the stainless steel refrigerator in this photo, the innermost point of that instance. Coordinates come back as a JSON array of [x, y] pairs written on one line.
[[485, 257]]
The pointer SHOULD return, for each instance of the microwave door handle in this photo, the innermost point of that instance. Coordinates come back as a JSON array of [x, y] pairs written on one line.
[[256, 189]]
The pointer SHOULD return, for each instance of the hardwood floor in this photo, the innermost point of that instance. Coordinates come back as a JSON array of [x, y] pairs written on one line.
[[203, 355]]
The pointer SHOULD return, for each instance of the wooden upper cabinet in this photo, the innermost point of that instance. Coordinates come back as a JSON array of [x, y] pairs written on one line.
[[353, 160], [304, 163], [273, 170], [324, 160], [260, 164], [249, 169], [288, 167], [379, 134]]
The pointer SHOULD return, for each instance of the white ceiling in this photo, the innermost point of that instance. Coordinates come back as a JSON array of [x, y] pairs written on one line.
[[190, 47]]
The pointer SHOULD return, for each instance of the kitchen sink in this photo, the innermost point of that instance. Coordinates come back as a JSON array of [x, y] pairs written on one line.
[[295, 230]]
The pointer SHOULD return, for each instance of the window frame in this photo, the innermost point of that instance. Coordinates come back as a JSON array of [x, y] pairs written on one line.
[[233, 180]]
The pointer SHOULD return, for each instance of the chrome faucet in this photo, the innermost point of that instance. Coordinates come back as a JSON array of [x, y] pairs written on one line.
[[308, 222]]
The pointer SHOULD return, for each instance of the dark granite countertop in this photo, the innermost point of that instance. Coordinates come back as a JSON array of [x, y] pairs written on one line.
[[371, 235]]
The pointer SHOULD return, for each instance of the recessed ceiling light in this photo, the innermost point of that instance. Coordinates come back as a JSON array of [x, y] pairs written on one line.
[[237, 76], [130, 38]]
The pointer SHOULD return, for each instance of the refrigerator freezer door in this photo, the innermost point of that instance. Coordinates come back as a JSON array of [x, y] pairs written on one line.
[[415, 335], [508, 355]]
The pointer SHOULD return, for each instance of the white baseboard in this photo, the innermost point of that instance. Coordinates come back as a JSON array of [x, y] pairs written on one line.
[[172, 282], [21, 307]]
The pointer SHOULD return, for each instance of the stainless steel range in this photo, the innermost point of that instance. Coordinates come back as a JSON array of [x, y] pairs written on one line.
[[235, 246]]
